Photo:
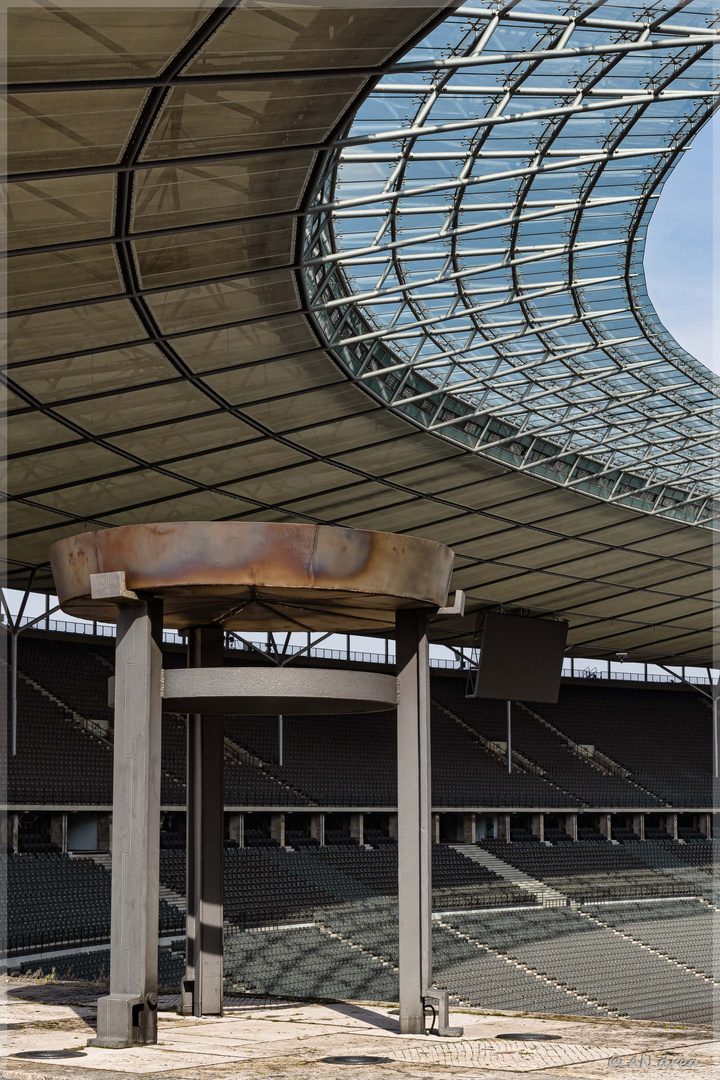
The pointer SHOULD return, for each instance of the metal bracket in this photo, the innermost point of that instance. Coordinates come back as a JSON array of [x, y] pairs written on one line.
[[112, 587], [458, 605], [441, 997]]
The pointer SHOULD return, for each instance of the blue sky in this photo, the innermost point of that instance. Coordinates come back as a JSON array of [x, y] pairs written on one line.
[[683, 243]]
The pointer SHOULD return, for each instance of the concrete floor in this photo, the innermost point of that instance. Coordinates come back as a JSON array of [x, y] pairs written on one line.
[[266, 1039]]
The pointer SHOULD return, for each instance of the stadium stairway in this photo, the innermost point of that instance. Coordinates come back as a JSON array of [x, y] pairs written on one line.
[[104, 859], [520, 762], [173, 897], [67, 712], [597, 759], [548, 896]]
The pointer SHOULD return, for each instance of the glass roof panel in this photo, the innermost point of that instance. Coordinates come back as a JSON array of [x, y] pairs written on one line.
[[60, 277], [59, 210], [96, 373], [56, 468], [134, 408], [474, 255], [65, 130], [29, 430], [243, 384], [73, 329], [225, 118], [214, 252], [265, 184], [251, 297], [55, 44], [189, 436], [295, 38], [252, 343]]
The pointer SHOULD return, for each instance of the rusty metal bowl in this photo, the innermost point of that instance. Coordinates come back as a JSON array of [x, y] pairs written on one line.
[[257, 575]]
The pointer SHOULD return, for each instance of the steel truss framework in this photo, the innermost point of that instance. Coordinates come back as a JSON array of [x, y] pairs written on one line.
[[171, 189], [475, 256]]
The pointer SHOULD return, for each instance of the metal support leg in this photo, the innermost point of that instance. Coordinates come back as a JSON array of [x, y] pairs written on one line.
[[202, 987], [13, 692], [128, 1016], [414, 819], [441, 1000]]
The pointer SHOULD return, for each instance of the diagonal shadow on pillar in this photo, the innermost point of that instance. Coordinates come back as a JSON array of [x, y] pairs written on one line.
[[202, 986]]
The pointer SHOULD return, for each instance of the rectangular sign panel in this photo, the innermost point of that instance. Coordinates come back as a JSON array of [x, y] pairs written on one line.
[[520, 658]]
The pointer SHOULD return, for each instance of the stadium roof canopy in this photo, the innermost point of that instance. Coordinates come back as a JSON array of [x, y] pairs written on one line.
[[374, 266]]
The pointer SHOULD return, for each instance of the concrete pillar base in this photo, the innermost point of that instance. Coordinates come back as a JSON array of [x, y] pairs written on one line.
[[125, 1020]]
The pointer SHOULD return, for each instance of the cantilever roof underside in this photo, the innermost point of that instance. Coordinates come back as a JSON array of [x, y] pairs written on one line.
[[171, 177]]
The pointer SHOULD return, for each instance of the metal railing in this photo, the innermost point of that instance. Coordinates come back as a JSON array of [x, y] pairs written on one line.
[[39, 942], [632, 892], [577, 668]]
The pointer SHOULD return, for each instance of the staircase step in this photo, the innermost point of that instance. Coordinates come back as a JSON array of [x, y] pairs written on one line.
[[545, 893]]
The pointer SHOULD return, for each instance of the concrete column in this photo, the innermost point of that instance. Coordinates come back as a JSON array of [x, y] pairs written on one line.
[[504, 827], [393, 827], [638, 825], [414, 847], [317, 828], [58, 830], [671, 825], [202, 987], [538, 826], [104, 827], [436, 828], [704, 824], [571, 826], [277, 828], [128, 1016], [469, 828], [356, 828], [605, 825], [236, 828], [5, 832], [14, 831]]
